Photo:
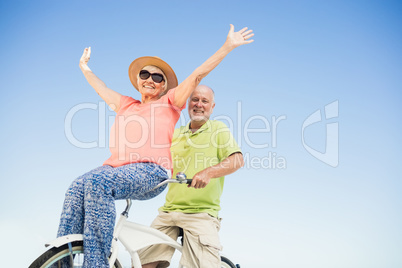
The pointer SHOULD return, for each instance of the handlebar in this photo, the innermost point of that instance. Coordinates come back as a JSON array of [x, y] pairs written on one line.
[[180, 178]]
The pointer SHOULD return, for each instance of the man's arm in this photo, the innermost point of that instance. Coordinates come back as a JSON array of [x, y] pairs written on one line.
[[225, 167]]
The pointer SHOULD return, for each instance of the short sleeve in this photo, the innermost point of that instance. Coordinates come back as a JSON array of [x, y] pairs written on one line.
[[126, 102], [170, 99], [225, 142]]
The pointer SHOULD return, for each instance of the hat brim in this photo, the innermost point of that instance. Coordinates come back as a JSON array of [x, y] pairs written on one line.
[[137, 65]]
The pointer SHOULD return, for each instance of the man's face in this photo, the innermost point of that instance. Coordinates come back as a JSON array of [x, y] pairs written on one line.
[[201, 104]]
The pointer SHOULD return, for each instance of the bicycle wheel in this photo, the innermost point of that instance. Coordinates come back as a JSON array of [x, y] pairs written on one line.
[[59, 257], [226, 263]]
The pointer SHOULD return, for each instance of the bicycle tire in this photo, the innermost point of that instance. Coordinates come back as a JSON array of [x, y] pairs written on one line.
[[52, 256], [226, 263]]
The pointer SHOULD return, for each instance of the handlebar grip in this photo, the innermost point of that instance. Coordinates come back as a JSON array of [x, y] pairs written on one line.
[[189, 181]]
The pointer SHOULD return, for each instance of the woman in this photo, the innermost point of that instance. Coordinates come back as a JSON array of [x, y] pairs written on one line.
[[139, 143]]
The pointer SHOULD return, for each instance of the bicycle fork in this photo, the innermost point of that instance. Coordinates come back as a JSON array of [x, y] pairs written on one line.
[[119, 225]]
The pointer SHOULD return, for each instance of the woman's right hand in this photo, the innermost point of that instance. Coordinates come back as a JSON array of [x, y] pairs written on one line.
[[85, 57], [112, 98]]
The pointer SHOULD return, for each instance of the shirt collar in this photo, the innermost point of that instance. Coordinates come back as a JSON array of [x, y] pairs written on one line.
[[204, 127]]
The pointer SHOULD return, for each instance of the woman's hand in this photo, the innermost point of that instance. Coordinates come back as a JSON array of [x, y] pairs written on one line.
[[235, 39], [85, 57], [112, 98]]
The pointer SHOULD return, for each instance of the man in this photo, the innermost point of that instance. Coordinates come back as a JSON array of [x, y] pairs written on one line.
[[205, 151]]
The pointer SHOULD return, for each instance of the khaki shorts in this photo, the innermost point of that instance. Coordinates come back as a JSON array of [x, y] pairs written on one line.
[[201, 244]]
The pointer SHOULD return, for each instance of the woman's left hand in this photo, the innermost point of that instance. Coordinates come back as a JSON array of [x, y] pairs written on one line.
[[235, 39]]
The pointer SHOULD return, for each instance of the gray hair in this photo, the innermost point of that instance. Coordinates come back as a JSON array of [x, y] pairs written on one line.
[[213, 92]]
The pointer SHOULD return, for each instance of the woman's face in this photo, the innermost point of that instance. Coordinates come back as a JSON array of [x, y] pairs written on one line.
[[148, 87]]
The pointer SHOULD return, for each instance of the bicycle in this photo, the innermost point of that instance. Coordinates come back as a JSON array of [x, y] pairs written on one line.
[[133, 237]]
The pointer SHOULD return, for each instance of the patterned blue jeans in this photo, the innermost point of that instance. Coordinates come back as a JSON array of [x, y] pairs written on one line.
[[89, 207]]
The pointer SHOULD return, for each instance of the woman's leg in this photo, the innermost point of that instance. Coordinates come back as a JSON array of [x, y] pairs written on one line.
[[134, 181], [72, 216], [137, 181], [89, 205]]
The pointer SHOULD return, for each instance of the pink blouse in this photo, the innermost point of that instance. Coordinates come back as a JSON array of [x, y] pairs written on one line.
[[143, 132]]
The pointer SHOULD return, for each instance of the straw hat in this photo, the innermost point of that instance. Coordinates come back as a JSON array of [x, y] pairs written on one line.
[[137, 65]]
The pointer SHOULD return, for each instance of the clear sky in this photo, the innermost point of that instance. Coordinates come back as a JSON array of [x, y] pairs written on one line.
[[314, 103]]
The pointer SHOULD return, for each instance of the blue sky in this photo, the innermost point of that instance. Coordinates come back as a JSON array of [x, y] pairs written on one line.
[[285, 208]]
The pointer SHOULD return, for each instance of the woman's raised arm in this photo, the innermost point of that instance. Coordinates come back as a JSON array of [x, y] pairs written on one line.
[[111, 97], [233, 40]]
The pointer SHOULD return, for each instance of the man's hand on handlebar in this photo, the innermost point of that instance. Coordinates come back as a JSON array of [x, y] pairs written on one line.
[[200, 180]]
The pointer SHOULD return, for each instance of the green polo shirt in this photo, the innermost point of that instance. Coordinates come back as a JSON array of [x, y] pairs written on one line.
[[191, 153]]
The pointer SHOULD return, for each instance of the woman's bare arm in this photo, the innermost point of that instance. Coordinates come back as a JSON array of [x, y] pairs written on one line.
[[111, 97], [233, 40]]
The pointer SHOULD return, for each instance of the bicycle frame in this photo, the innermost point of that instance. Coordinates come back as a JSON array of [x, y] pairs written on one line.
[[135, 236], [132, 235]]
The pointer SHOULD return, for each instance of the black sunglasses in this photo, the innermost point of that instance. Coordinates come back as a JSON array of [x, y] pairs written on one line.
[[157, 78]]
